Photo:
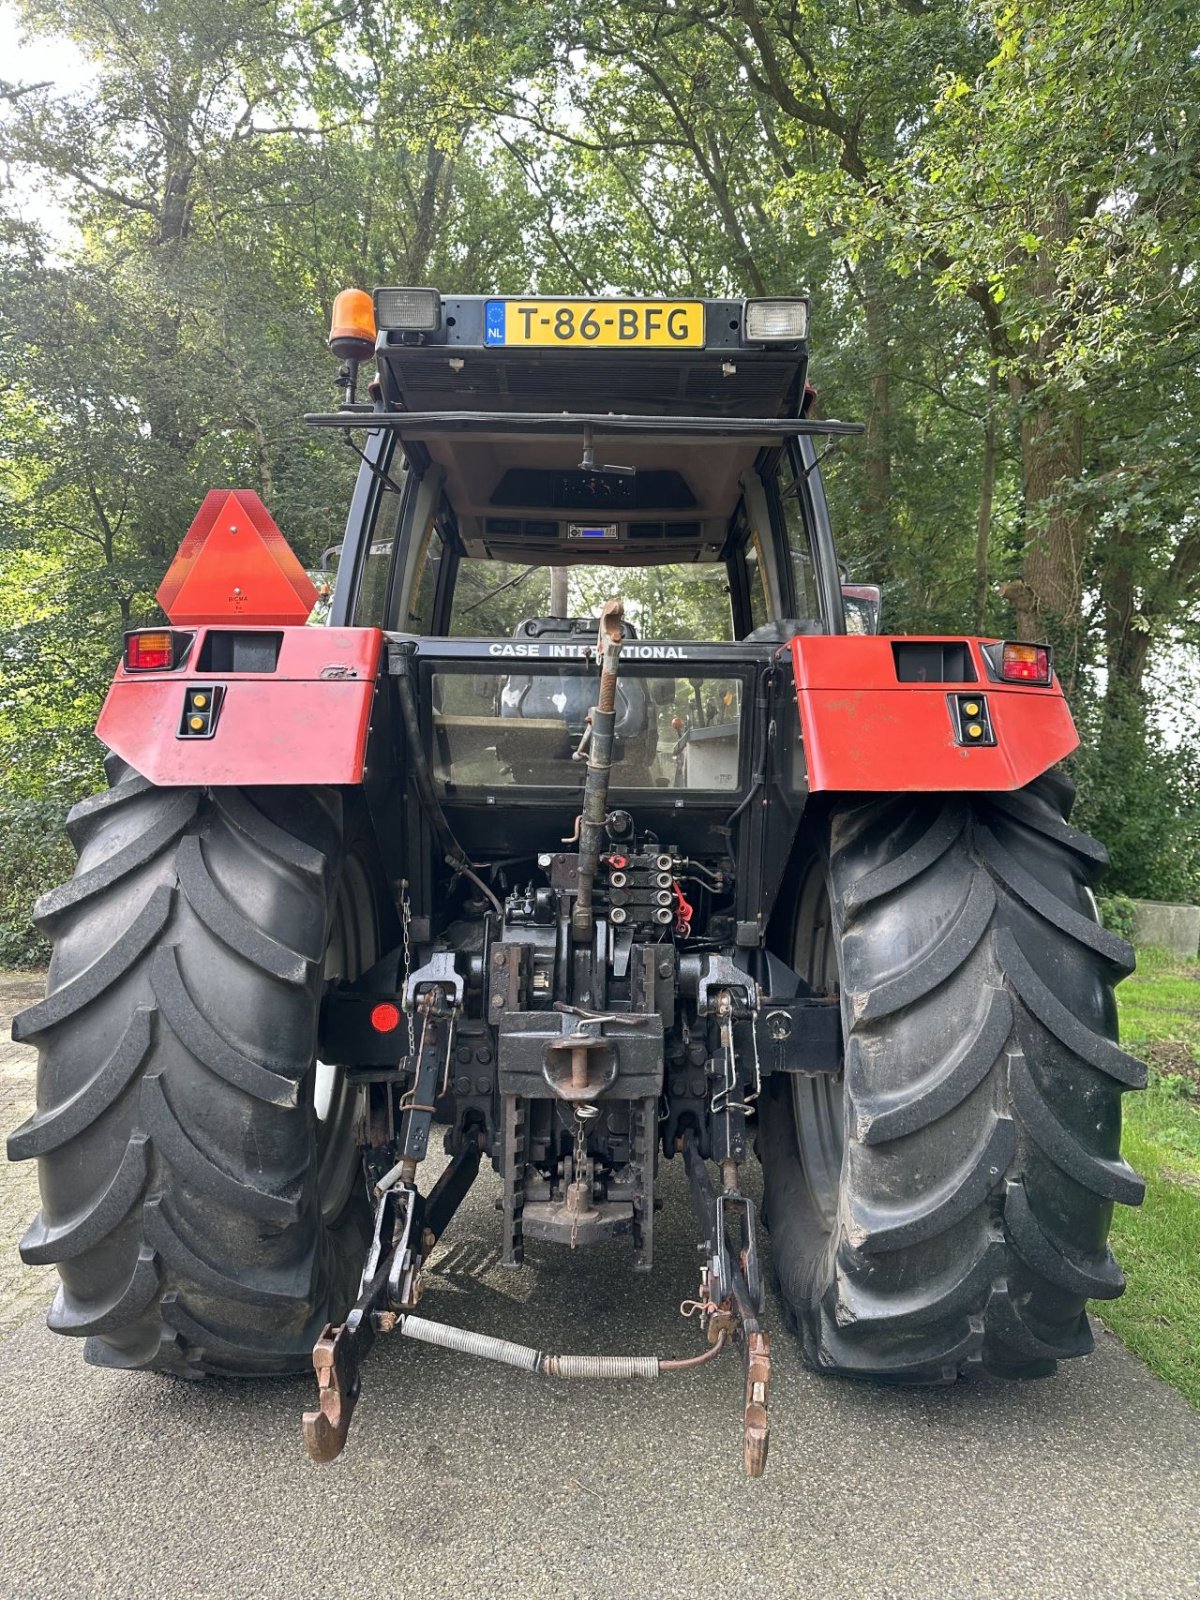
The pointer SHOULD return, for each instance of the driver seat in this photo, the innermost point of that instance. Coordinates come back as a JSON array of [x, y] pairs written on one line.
[[571, 695]]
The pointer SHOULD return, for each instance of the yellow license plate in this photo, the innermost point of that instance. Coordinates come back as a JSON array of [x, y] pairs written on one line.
[[663, 324]]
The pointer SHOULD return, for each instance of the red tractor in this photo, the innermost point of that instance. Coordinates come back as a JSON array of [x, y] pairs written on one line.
[[598, 823]]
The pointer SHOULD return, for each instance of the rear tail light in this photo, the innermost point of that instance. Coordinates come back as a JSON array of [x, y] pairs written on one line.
[[1024, 663], [155, 649]]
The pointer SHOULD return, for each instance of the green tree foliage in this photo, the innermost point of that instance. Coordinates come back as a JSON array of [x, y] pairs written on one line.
[[34, 853], [235, 166], [1060, 181], [1139, 791], [992, 202]]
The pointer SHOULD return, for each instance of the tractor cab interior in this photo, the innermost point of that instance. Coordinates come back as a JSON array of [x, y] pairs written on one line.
[[703, 538], [509, 494], [494, 545]]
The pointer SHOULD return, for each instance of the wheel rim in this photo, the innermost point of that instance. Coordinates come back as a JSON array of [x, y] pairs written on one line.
[[353, 947], [817, 1102]]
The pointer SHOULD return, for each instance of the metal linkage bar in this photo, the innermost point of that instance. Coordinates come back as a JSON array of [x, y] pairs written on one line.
[[337, 1358], [538, 424], [731, 1296], [413, 1225], [524, 1356], [449, 1192], [528, 1359], [601, 722], [516, 1116]]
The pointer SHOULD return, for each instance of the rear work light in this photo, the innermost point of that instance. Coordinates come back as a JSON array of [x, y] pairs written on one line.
[[775, 321], [408, 310], [155, 649], [1013, 662]]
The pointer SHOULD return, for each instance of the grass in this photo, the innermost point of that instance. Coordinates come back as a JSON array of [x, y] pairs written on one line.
[[1158, 1245]]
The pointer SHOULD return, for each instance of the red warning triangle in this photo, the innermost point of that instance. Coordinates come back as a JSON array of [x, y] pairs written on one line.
[[234, 565]]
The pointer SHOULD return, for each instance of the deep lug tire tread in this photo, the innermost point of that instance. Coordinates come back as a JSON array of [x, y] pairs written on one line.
[[173, 1130], [983, 1087]]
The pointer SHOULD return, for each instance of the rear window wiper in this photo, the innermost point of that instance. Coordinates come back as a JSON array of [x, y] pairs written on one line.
[[500, 588]]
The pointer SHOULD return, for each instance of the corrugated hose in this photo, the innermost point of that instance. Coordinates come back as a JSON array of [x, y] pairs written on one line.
[[531, 1360]]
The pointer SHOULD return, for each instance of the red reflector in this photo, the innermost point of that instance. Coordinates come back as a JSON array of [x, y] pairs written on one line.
[[235, 565], [385, 1017], [149, 652], [1025, 663]]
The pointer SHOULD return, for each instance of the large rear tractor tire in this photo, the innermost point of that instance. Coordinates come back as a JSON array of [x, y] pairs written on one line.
[[200, 1190], [944, 1204]]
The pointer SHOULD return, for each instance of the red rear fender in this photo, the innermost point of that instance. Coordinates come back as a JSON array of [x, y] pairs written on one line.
[[302, 721], [864, 729]]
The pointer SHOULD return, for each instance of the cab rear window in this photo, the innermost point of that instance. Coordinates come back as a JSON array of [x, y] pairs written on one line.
[[684, 601]]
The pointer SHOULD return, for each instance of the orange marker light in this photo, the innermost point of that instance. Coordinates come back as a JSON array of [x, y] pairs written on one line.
[[352, 334]]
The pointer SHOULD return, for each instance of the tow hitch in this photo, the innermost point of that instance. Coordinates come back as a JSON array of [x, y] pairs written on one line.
[[731, 1296], [728, 1304]]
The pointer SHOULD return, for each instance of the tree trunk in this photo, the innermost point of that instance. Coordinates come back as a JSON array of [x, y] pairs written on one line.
[[439, 170], [1046, 597], [877, 453], [987, 491], [1140, 601]]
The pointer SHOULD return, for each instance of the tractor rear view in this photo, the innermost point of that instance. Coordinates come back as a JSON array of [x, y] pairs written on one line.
[[598, 827]]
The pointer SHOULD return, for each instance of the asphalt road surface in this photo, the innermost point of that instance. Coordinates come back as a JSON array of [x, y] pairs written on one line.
[[464, 1479]]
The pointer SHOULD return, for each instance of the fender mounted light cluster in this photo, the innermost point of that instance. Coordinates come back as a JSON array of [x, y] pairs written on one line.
[[972, 719], [1011, 661], [201, 706], [155, 649]]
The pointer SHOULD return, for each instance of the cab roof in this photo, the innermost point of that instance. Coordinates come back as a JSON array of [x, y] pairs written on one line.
[[454, 367], [624, 450]]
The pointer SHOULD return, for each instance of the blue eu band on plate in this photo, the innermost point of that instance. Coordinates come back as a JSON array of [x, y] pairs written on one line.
[[669, 324]]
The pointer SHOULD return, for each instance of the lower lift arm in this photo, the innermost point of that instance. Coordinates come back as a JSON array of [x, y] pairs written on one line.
[[411, 1224]]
